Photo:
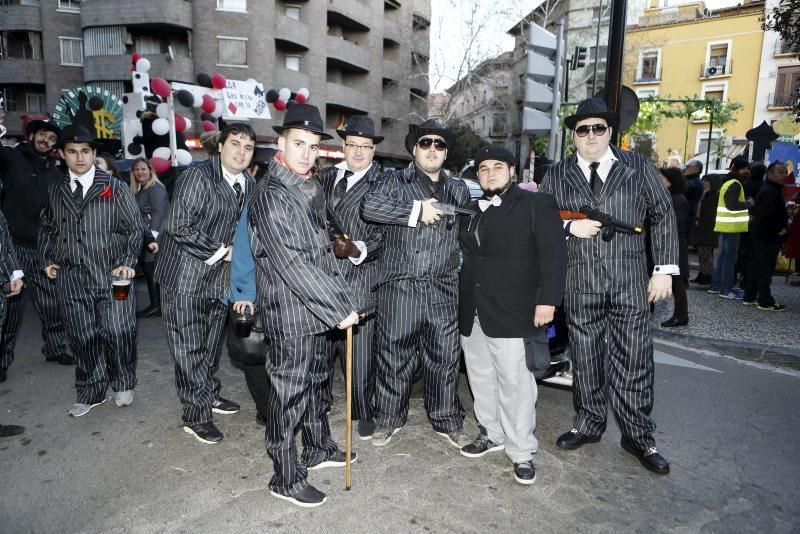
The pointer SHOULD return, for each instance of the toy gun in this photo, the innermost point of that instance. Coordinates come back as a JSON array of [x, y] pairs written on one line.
[[610, 225], [335, 228], [451, 211]]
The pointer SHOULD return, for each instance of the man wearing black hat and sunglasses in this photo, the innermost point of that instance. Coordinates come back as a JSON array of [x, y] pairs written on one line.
[[26, 171], [302, 295], [345, 186], [608, 289], [417, 289]]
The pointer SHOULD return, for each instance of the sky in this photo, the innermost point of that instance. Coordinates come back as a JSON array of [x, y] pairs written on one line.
[[466, 32]]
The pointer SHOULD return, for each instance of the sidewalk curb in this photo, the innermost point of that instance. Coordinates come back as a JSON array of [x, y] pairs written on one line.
[[785, 357]]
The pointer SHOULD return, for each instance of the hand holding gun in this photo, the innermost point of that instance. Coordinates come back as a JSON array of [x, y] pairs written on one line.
[[610, 225], [451, 211]]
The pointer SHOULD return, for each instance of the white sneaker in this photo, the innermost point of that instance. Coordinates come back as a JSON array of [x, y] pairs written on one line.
[[78, 409], [124, 398]]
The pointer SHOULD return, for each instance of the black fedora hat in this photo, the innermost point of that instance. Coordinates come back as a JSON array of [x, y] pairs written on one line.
[[76, 133], [429, 127], [303, 117], [592, 108], [263, 154], [39, 124], [362, 126], [493, 152]]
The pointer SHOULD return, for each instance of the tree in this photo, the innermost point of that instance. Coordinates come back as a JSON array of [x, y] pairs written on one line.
[[465, 145], [784, 19]]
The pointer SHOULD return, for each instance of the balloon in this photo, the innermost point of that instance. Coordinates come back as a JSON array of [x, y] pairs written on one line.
[[160, 126], [162, 152], [96, 103], [299, 98], [180, 123], [208, 117], [209, 126], [188, 124], [209, 104], [186, 98], [204, 80], [303, 91], [218, 81], [159, 164], [272, 96], [162, 110], [143, 64], [184, 157], [134, 149], [197, 100], [219, 109], [279, 104], [160, 87], [291, 103], [284, 94], [136, 56]]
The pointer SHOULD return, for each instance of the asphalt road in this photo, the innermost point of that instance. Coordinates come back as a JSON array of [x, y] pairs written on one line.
[[729, 428]]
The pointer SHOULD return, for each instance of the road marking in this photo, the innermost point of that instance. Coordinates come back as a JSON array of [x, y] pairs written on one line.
[[669, 359], [706, 352]]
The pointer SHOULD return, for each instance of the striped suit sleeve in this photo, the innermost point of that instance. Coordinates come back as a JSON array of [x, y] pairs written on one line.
[[9, 258], [663, 229], [373, 242], [129, 224], [48, 236], [381, 205], [186, 214]]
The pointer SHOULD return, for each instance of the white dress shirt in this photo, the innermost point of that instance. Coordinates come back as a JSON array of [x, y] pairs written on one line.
[[86, 180]]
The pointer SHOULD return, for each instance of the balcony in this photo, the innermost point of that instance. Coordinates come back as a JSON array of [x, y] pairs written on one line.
[[346, 97], [108, 68], [393, 110], [420, 21], [18, 71], [393, 33], [392, 70], [105, 13], [290, 34], [351, 15], [419, 84], [391, 5], [782, 48], [782, 100], [292, 79], [347, 56], [714, 70], [20, 18]]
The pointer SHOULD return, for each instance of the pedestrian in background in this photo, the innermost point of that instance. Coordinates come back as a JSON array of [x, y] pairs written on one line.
[[676, 185], [105, 162], [703, 235], [694, 192]]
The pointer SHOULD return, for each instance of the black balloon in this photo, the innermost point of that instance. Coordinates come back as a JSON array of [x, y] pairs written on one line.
[[96, 103], [138, 139], [208, 117], [186, 98], [134, 149], [204, 80], [272, 96], [291, 103]]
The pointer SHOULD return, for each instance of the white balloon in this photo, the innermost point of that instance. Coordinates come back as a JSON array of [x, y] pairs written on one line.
[[285, 94], [198, 100], [162, 152], [160, 126], [162, 110], [188, 124], [184, 157], [143, 65], [219, 109], [303, 91]]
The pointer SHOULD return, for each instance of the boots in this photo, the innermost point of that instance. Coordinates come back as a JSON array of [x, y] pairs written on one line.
[[154, 309], [702, 279]]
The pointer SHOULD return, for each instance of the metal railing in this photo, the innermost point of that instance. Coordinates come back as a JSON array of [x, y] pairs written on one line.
[[782, 100], [710, 70], [782, 47]]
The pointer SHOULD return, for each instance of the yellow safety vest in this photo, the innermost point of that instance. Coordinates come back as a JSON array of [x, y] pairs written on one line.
[[730, 222]]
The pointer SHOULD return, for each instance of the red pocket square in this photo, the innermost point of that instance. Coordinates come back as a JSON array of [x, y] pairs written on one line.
[[106, 192]]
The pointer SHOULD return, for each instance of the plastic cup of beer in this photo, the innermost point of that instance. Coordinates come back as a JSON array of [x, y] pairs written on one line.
[[120, 287]]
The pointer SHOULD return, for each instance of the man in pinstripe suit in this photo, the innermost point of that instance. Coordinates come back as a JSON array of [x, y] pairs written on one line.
[[193, 270], [417, 289], [345, 185], [10, 277], [91, 231], [302, 296], [608, 287]]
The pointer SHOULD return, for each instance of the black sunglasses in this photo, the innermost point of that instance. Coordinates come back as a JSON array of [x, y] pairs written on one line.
[[426, 142], [598, 129]]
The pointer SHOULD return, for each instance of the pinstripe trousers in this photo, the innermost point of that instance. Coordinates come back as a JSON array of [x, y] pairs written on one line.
[[363, 379], [297, 374], [418, 316], [612, 357], [101, 333], [195, 328], [45, 301]]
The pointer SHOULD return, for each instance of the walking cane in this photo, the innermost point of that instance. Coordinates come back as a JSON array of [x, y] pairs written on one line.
[[348, 409]]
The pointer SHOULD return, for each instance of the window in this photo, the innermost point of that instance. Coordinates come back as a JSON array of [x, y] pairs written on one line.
[[717, 91], [701, 144], [35, 103], [499, 124], [292, 11], [232, 51], [232, 5], [20, 45], [717, 59], [785, 86], [71, 51], [649, 66], [293, 62], [72, 6], [644, 93]]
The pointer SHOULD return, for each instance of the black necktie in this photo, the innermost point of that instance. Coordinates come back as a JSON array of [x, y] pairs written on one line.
[[594, 179], [239, 194], [77, 195], [340, 189]]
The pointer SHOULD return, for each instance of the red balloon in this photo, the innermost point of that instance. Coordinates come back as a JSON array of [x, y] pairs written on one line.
[[180, 123], [300, 99], [209, 126], [208, 104], [218, 81], [136, 56], [279, 104], [160, 87], [160, 164]]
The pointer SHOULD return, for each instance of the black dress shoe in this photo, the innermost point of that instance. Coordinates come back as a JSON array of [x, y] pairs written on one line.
[[573, 439], [3, 375], [650, 458], [674, 321], [337, 459], [366, 427], [150, 311], [204, 432], [224, 406], [62, 359], [308, 498], [8, 431]]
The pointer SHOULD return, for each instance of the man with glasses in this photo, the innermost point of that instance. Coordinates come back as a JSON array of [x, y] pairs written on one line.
[[345, 186], [417, 289], [608, 289]]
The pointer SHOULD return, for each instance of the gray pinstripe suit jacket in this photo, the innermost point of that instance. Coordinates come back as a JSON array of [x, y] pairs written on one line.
[[360, 277], [8, 258], [102, 233], [203, 216], [300, 288], [632, 192], [426, 251]]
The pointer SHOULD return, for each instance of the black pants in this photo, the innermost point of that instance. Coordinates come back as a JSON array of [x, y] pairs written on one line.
[[681, 310], [256, 378], [761, 270]]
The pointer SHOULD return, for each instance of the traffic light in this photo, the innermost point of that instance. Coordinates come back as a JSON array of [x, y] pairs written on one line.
[[579, 59]]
